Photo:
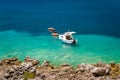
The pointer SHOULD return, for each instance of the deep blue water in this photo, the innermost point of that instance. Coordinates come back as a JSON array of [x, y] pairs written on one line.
[[24, 23], [84, 16]]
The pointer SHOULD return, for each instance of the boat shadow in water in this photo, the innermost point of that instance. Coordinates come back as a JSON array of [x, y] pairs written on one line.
[[70, 45]]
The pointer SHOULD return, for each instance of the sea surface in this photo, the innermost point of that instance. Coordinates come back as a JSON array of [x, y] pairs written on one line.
[[24, 30]]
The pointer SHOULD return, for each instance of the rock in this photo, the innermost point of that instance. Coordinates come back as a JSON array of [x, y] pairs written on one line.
[[43, 77], [38, 73], [45, 63], [85, 67], [27, 58], [21, 72], [26, 65], [112, 64], [7, 61], [66, 68], [0, 62], [35, 62], [15, 67], [6, 75], [13, 59], [108, 68], [100, 64], [33, 70], [63, 65], [36, 78], [99, 71], [15, 78], [23, 64], [11, 70]]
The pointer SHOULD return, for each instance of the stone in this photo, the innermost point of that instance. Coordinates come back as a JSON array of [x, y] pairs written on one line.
[[14, 59], [36, 78], [99, 71], [7, 61], [21, 72], [26, 65], [112, 64], [108, 68], [27, 58], [85, 67], [35, 62], [38, 73], [6, 75], [100, 64], [45, 63], [63, 65], [0, 62], [11, 70], [15, 67], [66, 68], [33, 70]]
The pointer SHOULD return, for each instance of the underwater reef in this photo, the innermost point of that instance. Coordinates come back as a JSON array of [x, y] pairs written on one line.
[[31, 69]]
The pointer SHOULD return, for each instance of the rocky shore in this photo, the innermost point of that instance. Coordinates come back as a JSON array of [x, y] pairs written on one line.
[[14, 69]]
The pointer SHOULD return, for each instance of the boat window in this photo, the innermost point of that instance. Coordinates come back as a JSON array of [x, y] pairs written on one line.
[[68, 37]]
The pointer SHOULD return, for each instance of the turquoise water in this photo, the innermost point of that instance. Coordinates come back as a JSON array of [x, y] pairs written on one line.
[[89, 49]]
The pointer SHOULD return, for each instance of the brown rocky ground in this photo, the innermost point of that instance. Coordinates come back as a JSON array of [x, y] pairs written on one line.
[[14, 69]]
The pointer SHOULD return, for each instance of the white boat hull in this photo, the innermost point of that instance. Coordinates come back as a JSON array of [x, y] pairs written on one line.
[[63, 38]]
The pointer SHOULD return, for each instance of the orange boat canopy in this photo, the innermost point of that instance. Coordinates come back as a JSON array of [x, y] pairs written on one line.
[[54, 34], [51, 29]]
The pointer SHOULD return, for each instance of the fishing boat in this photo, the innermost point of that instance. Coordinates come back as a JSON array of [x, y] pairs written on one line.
[[67, 37]]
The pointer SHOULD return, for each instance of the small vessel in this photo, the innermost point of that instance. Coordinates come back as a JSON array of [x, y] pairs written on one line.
[[67, 37], [53, 31]]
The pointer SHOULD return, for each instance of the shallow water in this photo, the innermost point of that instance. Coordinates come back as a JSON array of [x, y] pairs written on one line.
[[89, 49]]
